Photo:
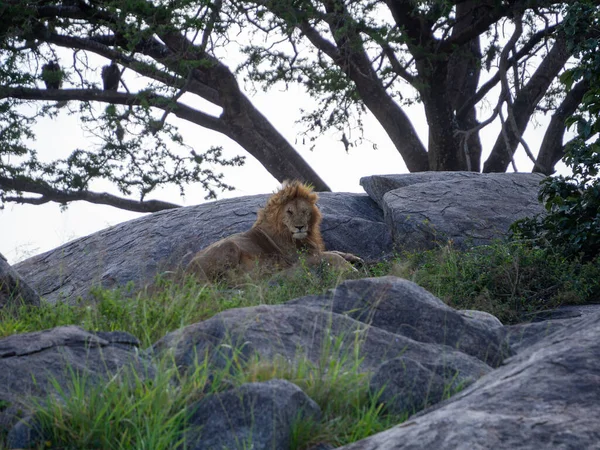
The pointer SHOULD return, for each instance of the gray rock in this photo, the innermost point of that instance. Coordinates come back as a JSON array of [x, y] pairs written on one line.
[[27, 433], [545, 397], [524, 335], [30, 362], [567, 312], [13, 289], [481, 317], [139, 249], [376, 186], [402, 307], [406, 386], [255, 415], [288, 332], [465, 208]]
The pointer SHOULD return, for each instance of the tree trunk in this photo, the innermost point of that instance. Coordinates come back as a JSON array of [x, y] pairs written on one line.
[[464, 69], [246, 125], [552, 148], [351, 57], [249, 128], [397, 125], [444, 152]]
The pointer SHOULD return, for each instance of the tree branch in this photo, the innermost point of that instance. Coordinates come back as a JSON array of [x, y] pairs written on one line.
[[165, 103], [50, 194], [525, 103], [414, 25], [489, 85]]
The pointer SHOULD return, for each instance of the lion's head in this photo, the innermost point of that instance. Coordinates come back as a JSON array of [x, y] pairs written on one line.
[[291, 215]]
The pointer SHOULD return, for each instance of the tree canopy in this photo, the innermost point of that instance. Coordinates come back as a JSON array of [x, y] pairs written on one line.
[[469, 63], [169, 46], [127, 67]]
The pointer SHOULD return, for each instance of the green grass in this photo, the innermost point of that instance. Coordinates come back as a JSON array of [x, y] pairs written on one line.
[[509, 280]]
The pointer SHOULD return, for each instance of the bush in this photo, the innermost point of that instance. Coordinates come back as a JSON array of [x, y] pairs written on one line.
[[510, 280]]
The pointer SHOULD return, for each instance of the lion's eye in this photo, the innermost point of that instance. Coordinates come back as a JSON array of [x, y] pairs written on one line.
[[289, 211]]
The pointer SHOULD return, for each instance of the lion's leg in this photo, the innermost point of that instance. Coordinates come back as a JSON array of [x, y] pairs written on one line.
[[348, 257], [215, 261], [334, 259]]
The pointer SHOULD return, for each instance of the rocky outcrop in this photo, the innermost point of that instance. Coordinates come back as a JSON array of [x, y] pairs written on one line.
[[402, 307], [255, 415], [401, 212], [425, 209], [136, 251], [30, 363], [547, 396], [14, 290]]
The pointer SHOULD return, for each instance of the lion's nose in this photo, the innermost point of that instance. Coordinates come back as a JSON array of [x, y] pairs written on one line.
[[299, 227]]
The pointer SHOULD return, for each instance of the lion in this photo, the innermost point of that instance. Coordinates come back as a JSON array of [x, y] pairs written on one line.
[[286, 230]]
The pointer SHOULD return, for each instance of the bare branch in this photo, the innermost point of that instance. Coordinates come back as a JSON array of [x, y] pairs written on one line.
[[493, 81], [179, 109], [50, 194]]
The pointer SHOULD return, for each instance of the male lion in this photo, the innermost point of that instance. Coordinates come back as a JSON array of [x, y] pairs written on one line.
[[286, 229]]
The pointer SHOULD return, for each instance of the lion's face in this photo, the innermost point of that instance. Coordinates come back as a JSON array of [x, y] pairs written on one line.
[[297, 217]]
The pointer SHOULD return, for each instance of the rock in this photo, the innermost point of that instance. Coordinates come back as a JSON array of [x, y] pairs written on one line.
[[13, 289], [27, 433], [376, 186], [30, 362], [255, 415], [288, 332], [136, 251], [524, 335], [545, 397], [481, 317], [402, 307], [407, 386], [465, 208], [567, 312]]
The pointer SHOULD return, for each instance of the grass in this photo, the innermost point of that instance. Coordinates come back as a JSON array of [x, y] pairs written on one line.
[[509, 280]]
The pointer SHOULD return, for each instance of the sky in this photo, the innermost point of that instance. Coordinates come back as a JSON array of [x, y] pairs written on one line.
[[27, 230]]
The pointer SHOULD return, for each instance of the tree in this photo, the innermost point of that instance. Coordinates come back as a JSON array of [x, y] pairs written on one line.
[[50, 51], [355, 55]]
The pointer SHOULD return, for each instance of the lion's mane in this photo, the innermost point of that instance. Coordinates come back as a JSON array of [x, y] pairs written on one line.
[[270, 218]]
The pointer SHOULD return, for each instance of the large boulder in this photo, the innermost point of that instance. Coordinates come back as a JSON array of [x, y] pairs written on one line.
[[466, 208], [285, 333], [14, 290], [547, 396], [137, 250], [259, 416], [30, 363], [402, 307]]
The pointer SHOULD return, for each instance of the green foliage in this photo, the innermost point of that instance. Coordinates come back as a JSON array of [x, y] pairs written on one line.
[[510, 280], [572, 222], [133, 144]]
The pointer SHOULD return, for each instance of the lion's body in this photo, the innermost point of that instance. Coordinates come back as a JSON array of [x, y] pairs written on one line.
[[286, 229]]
